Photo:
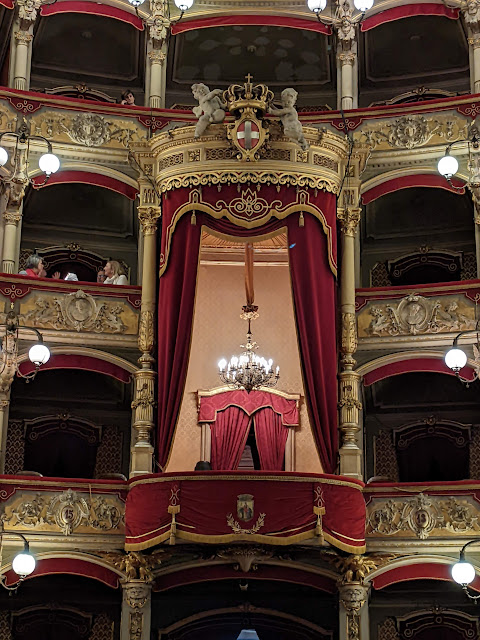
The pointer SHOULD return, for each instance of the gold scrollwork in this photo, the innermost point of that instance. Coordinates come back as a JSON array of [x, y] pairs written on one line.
[[146, 337]]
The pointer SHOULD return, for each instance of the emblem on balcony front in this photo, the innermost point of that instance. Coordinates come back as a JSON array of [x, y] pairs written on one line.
[[245, 507], [248, 103]]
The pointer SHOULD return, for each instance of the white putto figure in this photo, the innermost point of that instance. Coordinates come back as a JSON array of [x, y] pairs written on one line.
[[210, 104], [289, 117]]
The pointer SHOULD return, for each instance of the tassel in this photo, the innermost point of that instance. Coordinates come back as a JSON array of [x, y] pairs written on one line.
[[319, 512], [193, 219], [173, 509], [301, 220]]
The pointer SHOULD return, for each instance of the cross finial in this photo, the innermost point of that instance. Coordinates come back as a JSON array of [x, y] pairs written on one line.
[[248, 78]]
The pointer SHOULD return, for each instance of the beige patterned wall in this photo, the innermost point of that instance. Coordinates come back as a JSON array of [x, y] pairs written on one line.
[[218, 331]]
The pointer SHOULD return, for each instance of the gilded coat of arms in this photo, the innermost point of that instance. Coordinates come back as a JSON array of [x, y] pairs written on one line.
[[248, 103]]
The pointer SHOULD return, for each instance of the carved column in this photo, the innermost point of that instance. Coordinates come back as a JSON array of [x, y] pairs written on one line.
[[136, 610], [346, 54], [353, 623], [157, 86], [12, 217], [27, 11], [349, 390], [471, 14], [143, 404], [159, 27], [23, 41]]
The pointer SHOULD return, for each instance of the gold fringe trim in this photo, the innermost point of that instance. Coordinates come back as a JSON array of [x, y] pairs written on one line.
[[234, 537]]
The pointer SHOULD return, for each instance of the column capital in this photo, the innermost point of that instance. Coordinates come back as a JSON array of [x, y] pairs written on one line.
[[12, 216], [157, 57], [349, 219], [23, 37], [28, 10], [346, 57], [148, 217]]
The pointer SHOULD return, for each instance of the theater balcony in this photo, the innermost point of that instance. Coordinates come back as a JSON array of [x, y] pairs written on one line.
[[74, 313]]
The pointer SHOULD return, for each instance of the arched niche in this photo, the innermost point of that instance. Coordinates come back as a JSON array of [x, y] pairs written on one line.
[[415, 420], [98, 220], [430, 50], [69, 423], [55, 607], [407, 237], [305, 613]]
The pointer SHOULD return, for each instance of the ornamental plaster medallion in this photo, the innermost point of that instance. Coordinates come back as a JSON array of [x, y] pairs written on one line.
[[89, 129], [78, 311], [415, 315], [68, 510]]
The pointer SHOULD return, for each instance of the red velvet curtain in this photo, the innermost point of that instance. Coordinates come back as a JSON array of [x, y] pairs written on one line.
[[271, 437], [314, 295], [314, 289], [176, 301], [229, 434]]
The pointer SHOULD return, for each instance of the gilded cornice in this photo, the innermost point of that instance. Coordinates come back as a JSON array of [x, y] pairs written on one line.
[[181, 160]]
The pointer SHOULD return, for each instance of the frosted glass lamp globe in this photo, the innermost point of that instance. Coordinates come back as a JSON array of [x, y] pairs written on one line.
[[363, 5], [455, 359], [24, 563], [316, 5], [3, 156], [39, 354], [135, 3], [49, 163], [183, 5], [447, 166], [463, 572]]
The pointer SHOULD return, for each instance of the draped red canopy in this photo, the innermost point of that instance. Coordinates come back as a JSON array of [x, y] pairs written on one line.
[[309, 218], [249, 403]]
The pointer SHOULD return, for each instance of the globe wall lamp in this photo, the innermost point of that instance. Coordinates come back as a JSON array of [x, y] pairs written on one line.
[[456, 358], [320, 5], [448, 165], [463, 572], [48, 162], [182, 6], [38, 353], [23, 563]]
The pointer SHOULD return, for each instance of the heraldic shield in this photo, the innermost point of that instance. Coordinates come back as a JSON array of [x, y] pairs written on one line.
[[245, 507]]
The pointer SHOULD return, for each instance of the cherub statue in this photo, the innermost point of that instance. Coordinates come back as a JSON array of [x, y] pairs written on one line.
[[289, 117], [210, 104]]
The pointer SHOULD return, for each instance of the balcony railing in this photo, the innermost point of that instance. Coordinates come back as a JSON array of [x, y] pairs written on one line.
[[77, 312]]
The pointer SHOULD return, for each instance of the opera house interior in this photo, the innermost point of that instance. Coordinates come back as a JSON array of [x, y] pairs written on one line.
[[239, 319]]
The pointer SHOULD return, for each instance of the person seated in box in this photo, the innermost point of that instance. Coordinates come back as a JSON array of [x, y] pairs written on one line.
[[34, 268], [115, 273]]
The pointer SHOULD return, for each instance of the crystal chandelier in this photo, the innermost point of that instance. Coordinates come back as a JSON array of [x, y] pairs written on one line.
[[248, 371]]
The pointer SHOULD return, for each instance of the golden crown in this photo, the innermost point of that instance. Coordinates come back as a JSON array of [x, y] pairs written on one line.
[[257, 97]]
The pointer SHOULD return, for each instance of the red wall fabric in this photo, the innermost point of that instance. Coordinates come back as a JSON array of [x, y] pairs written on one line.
[[229, 434], [276, 21], [415, 180], [271, 436]]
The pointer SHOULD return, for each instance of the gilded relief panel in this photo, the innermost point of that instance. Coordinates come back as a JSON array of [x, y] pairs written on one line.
[[415, 315], [65, 512], [423, 516], [78, 311]]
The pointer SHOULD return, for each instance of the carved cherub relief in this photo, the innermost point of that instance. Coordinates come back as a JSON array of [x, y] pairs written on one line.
[[211, 108], [292, 127]]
